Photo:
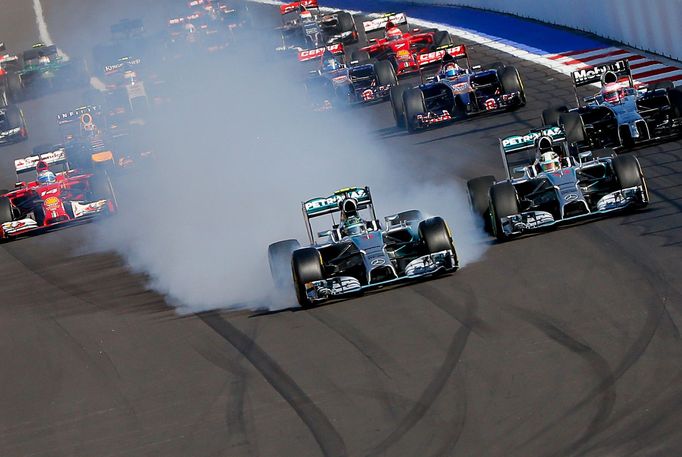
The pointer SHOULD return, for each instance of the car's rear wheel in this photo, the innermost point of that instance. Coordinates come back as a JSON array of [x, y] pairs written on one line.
[[397, 105], [628, 172], [511, 82], [413, 99], [441, 39], [279, 258], [361, 57], [102, 189], [550, 116], [306, 266], [385, 73], [345, 22], [661, 85], [573, 126], [479, 198], [16, 89], [675, 97], [503, 203]]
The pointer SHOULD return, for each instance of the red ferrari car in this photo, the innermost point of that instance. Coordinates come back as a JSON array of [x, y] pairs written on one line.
[[407, 51], [54, 198]]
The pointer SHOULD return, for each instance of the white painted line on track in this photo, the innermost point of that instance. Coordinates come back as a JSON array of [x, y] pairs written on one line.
[[43, 31]]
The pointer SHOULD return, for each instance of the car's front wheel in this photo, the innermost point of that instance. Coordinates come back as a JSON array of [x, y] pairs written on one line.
[[306, 267]]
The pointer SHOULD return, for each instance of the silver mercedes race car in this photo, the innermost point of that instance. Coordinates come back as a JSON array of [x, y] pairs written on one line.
[[622, 114], [546, 185], [357, 253]]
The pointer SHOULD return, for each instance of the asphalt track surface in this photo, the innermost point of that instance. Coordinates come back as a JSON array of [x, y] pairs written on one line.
[[561, 344]]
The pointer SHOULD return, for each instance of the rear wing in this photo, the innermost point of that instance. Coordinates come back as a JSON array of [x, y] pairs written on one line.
[[310, 54], [381, 21], [321, 206], [83, 114], [457, 52], [591, 75], [519, 150], [58, 156], [291, 7], [123, 63], [40, 51]]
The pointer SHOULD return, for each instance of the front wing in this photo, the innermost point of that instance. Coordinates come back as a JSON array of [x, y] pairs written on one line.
[[530, 221], [421, 267]]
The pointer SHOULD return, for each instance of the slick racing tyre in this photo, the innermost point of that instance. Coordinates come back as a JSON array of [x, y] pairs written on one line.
[[550, 116], [436, 235], [361, 57], [345, 22], [661, 85], [479, 198], [629, 174], [413, 99], [675, 97], [441, 39], [573, 126], [16, 88], [306, 266], [279, 258], [397, 105], [503, 202], [385, 73], [6, 214], [101, 188], [497, 66], [511, 82]]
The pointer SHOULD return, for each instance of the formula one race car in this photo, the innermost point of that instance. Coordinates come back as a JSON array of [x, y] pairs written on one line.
[[408, 52], [546, 185], [335, 82], [357, 254], [12, 125], [456, 92], [55, 198], [620, 115], [43, 69], [305, 27]]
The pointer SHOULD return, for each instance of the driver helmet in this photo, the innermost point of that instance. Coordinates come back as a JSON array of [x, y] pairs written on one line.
[[330, 64], [305, 14], [451, 70], [43, 60], [353, 226], [612, 93], [393, 33], [549, 161], [46, 177]]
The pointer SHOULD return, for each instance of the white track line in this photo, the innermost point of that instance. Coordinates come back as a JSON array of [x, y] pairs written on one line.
[[43, 32]]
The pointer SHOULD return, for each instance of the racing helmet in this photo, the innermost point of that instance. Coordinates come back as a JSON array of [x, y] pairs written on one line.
[[549, 161], [450, 70], [330, 64], [305, 14], [393, 33], [46, 177], [612, 93], [353, 226], [545, 144]]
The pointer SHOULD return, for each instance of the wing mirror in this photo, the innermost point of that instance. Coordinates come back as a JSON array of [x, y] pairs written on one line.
[[324, 233], [519, 170], [476, 67]]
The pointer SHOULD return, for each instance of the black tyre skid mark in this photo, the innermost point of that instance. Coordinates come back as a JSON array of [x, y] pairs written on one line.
[[439, 380], [327, 437], [600, 366], [234, 409]]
